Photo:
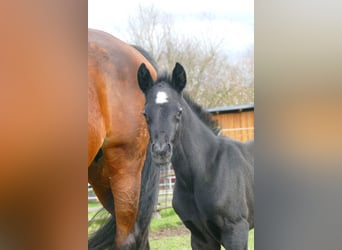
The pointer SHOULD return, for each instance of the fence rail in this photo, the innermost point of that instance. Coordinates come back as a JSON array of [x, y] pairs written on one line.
[[166, 185]]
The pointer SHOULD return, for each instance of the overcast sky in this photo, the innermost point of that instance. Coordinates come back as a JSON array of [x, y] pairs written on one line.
[[229, 21]]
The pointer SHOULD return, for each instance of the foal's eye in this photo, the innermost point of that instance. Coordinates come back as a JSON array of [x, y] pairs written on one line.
[[179, 113], [146, 117]]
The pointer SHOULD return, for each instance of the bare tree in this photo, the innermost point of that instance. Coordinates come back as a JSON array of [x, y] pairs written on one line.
[[212, 79]]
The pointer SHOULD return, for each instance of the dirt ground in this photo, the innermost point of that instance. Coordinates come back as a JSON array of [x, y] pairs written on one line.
[[169, 232]]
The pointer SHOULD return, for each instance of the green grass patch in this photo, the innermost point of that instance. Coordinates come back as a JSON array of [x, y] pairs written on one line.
[[93, 209], [94, 204], [184, 243], [251, 240], [169, 219], [171, 243]]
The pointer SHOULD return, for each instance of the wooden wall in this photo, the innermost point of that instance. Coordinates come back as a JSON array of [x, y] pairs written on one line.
[[238, 125]]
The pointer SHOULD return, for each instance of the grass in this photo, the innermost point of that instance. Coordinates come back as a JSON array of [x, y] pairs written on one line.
[[94, 204], [93, 208], [251, 240], [169, 219], [171, 243]]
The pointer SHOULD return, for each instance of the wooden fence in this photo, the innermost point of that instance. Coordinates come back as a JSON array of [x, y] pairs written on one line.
[[166, 184]]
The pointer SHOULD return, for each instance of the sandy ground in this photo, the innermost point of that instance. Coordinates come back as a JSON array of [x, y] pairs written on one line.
[[169, 232]]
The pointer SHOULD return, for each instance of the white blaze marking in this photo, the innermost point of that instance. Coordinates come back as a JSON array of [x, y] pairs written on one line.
[[161, 97]]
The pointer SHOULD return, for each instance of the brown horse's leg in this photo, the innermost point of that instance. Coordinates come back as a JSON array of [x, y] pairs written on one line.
[[125, 180], [98, 179]]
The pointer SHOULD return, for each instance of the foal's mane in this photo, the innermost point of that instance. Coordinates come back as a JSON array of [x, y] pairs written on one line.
[[201, 113]]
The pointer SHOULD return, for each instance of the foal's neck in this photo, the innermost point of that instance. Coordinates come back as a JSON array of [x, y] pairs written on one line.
[[194, 147]]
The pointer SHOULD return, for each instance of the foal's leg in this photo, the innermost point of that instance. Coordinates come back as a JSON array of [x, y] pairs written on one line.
[[184, 205], [235, 236], [204, 242], [200, 240], [125, 178]]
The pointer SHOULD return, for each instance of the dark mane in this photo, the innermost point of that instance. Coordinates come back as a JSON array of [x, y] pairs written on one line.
[[201, 113], [164, 77]]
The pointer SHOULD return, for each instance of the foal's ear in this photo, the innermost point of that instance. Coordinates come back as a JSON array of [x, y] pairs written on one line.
[[144, 78], [178, 77]]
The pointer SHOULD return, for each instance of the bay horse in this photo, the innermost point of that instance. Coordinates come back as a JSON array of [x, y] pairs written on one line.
[[214, 189], [117, 141]]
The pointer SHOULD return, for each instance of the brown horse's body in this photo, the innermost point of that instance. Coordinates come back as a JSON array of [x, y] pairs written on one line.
[[116, 126]]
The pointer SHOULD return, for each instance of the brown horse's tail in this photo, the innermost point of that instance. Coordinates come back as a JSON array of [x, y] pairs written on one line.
[[148, 201], [104, 238], [147, 56]]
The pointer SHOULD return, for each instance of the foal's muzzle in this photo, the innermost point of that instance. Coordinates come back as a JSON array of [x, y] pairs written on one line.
[[161, 153]]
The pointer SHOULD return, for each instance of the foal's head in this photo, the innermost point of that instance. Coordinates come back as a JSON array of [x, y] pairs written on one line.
[[163, 110]]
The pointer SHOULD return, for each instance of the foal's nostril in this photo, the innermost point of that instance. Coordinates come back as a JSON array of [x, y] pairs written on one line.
[[164, 148], [161, 148], [156, 147]]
